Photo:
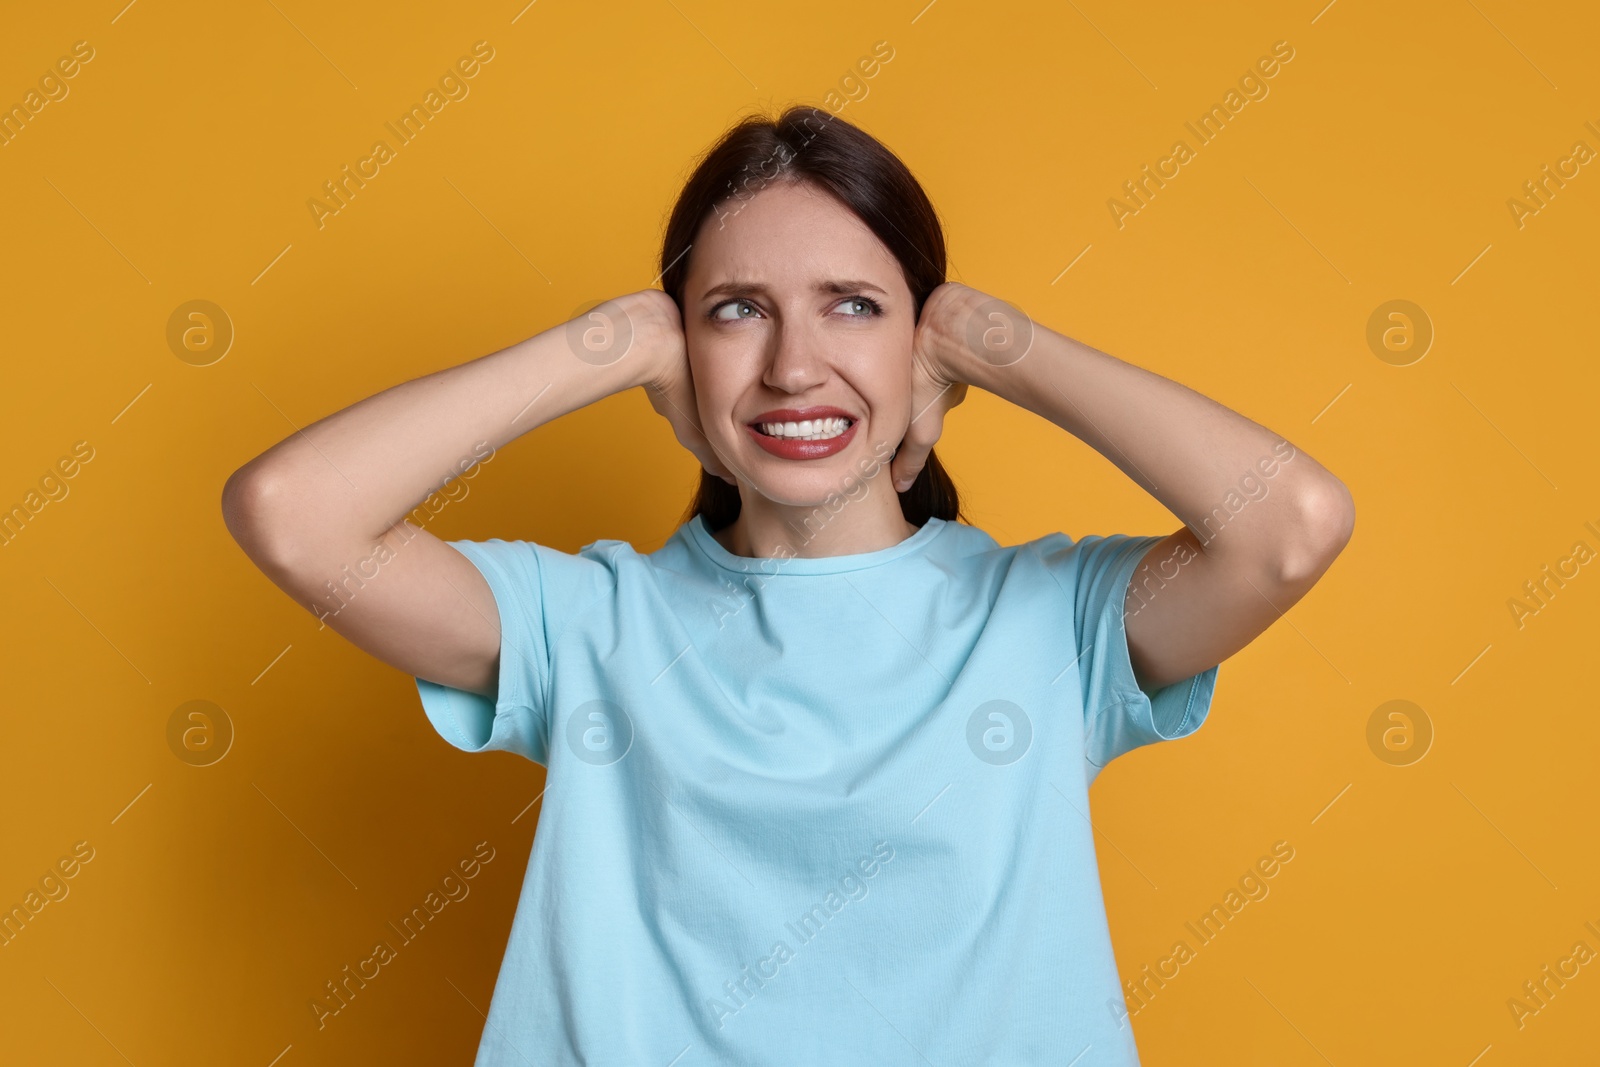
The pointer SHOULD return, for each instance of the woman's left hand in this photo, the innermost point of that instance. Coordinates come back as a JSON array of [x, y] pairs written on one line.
[[935, 385]]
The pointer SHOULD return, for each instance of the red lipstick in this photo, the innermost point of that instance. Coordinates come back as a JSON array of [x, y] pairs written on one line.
[[794, 448]]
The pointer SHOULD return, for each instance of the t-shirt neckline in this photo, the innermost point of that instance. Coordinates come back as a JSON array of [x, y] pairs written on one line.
[[712, 549]]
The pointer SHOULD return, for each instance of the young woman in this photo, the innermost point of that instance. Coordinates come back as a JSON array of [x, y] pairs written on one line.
[[817, 768]]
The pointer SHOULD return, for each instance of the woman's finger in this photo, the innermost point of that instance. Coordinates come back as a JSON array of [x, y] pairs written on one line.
[[912, 454], [930, 403], [712, 461], [692, 437], [908, 463]]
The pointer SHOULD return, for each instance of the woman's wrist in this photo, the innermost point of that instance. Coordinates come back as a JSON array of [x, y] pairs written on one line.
[[640, 332], [953, 331], [981, 339]]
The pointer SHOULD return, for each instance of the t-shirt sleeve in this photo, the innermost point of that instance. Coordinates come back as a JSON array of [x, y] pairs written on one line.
[[1119, 715], [537, 590]]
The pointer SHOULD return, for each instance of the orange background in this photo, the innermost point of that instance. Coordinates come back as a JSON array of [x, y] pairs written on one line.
[[221, 898]]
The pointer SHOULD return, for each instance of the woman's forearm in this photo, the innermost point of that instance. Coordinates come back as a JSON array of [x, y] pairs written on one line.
[[1202, 460], [345, 480]]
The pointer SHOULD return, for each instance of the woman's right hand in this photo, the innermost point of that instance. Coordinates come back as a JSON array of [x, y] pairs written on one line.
[[664, 365]]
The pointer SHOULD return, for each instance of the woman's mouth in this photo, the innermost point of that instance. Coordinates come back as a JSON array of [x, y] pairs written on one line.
[[804, 439]]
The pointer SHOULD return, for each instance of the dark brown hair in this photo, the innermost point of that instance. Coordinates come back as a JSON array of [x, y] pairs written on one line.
[[809, 145]]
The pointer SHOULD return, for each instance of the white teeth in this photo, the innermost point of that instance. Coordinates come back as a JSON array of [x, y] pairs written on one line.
[[807, 430]]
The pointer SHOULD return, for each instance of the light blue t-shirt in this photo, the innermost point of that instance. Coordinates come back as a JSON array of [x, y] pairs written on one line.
[[813, 810]]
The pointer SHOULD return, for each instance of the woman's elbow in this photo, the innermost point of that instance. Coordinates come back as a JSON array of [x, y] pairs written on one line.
[[1327, 521], [249, 511]]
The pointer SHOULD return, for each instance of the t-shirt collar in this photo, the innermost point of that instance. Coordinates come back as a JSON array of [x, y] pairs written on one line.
[[699, 535]]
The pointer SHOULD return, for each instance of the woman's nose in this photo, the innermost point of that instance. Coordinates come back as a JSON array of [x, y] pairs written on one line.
[[796, 362]]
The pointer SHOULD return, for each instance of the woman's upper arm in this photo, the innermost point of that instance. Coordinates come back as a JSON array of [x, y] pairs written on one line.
[[407, 598], [1187, 610], [427, 611]]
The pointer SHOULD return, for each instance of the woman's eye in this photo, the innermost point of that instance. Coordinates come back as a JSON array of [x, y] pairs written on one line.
[[739, 307], [857, 307]]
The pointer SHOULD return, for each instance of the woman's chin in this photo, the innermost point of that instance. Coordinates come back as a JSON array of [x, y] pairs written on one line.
[[813, 488]]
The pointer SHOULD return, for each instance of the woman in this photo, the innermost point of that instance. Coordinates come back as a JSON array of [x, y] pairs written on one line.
[[818, 768]]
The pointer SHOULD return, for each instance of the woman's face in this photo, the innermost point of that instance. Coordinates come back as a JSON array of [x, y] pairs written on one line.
[[791, 303]]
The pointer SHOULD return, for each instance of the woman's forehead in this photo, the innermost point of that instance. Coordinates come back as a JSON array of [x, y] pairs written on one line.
[[785, 239]]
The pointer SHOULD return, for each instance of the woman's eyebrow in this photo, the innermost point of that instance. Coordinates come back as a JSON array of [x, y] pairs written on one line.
[[841, 286]]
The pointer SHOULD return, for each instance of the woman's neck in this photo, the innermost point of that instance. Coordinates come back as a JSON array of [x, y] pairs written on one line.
[[765, 530]]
